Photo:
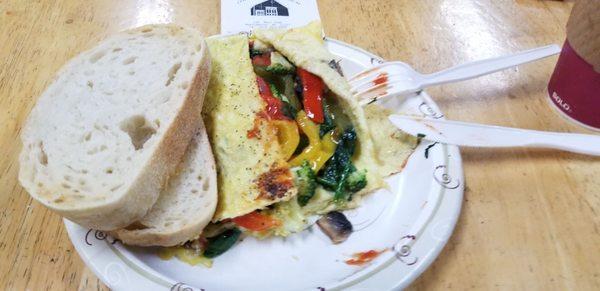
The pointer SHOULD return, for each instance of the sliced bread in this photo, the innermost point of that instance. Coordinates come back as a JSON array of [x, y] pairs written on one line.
[[185, 206], [113, 126]]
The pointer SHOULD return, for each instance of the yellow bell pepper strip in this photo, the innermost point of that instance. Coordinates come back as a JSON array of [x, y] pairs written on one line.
[[309, 154], [318, 150], [328, 145], [308, 127], [288, 136]]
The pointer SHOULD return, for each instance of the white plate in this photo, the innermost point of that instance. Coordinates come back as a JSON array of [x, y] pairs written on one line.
[[413, 221]]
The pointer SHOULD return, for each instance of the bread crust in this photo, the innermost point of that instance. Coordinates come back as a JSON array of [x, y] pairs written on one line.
[[144, 189], [154, 235]]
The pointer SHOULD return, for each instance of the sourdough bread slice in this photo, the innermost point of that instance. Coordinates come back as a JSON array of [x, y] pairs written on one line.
[[114, 124], [185, 206]]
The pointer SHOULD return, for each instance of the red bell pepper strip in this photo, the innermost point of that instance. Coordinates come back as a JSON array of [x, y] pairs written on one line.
[[274, 105], [256, 221], [312, 95], [263, 60]]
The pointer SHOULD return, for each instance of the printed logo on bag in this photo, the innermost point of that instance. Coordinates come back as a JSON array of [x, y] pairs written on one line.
[[269, 8], [246, 15]]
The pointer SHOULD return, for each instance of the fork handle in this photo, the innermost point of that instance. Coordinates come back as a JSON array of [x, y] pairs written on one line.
[[487, 66]]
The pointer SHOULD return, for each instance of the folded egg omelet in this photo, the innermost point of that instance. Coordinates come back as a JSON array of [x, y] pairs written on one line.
[[285, 150]]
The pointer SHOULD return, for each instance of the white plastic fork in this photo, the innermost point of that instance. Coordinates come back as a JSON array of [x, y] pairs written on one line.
[[398, 78]]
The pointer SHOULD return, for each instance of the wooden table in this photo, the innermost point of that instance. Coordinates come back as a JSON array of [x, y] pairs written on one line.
[[530, 218]]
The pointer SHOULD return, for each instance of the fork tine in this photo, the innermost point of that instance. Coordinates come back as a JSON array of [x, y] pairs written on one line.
[[372, 75], [381, 78], [361, 74], [383, 90], [372, 94], [375, 77], [379, 82], [369, 71], [376, 88]]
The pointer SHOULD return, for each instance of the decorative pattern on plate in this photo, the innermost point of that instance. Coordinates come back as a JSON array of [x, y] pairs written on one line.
[[358, 226], [442, 177], [428, 111], [115, 272], [180, 286], [98, 235], [376, 61], [402, 251]]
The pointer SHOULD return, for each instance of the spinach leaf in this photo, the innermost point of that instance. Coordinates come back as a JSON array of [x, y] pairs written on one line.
[[219, 244], [327, 124], [334, 175]]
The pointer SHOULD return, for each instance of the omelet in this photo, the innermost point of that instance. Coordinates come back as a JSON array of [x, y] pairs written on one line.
[[252, 172], [304, 47], [269, 138], [289, 139]]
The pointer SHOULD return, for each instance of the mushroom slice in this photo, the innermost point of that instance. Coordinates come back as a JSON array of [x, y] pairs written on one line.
[[336, 226]]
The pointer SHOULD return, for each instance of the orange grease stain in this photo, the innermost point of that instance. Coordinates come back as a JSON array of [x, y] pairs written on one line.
[[362, 258], [381, 79]]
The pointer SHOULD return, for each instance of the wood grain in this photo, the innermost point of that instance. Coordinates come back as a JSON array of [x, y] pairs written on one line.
[[530, 220]]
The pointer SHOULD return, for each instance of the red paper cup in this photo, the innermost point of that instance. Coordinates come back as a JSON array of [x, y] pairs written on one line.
[[574, 89]]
